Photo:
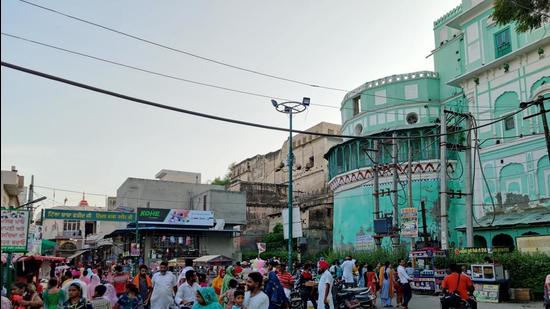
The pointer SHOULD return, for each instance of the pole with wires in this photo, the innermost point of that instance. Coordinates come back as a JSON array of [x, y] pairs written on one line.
[[443, 179], [468, 185], [395, 233]]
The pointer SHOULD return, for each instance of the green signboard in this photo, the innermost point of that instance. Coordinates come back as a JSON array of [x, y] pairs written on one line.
[[89, 215]]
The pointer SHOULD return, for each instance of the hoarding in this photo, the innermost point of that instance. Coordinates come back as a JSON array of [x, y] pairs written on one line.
[[296, 223], [176, 216], [15, 228], [409, 222], [534, 243], [486, 293], [88, 215]]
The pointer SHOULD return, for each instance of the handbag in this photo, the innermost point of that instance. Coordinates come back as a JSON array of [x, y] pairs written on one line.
[[453, 298]]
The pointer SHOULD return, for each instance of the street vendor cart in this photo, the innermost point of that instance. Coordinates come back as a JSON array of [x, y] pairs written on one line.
[[426, 278]]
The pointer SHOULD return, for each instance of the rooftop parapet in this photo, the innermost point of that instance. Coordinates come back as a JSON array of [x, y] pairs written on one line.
[[447, 17], [384, 81]]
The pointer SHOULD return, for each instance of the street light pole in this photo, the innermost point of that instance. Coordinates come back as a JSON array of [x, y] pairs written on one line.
[[290, 165], [290, 108]]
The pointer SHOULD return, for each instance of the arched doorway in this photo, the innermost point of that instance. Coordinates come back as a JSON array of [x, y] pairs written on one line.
[[503, 241], [480, 241], [530, 234]]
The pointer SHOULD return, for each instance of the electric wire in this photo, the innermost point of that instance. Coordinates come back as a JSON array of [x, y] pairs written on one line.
[[174, 49], [213, 117]]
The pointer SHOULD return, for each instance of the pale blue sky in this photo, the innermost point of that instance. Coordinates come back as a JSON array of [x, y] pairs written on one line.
[[74, 139]]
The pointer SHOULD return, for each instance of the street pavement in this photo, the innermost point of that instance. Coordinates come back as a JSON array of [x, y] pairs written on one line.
[[432, 302]]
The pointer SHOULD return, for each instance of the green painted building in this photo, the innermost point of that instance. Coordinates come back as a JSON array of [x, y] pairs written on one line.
[[480, 68]]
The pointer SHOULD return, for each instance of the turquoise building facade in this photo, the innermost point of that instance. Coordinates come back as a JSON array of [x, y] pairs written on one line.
[[480, 68]]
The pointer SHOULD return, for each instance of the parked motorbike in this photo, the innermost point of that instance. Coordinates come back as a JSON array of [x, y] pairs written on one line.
[[356, 298]]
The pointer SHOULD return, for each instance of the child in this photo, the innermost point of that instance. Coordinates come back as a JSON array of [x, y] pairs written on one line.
[[227, 298], [238, 299]]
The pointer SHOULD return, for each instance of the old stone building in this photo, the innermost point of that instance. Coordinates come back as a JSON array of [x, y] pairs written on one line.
[[265, 180]]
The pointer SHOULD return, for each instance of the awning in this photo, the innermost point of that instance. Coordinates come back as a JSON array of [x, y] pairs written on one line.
[[48, 245], [41, 258], [69, 258], [527, 217], [165, 229], [212, 259]]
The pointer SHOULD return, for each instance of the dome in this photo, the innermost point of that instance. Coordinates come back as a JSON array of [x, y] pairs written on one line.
[[83, 202]]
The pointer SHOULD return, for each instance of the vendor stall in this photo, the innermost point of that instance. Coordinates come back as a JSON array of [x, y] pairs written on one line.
[[212, 260], [426, 278], [490, 283]]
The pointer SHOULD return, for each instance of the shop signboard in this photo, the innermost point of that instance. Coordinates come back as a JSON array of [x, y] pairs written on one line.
[[486, 293], [364, 242], [472, 250], [423, 284], [88, 215], [409, 222], [15, 228], [176, 216]]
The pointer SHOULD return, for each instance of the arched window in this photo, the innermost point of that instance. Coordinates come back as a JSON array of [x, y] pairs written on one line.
[[505, 104], [503, 241], [480, 241], [513, 179]]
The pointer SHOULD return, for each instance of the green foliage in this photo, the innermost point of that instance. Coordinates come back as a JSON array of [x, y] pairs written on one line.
[[371, 257], [527, 14], [226, 180]]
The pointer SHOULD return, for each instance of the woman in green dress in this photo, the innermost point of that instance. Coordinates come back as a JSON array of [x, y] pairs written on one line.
[[53, 296]]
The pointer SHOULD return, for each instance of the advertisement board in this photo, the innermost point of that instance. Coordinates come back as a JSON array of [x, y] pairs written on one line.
[[296, 223], [176, 216], [534, 243], [409, 222], [486, 293], [88, 215], [15, 228]]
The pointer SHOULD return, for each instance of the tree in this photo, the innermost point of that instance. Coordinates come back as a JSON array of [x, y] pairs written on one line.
[[527, 14], [226, 179]]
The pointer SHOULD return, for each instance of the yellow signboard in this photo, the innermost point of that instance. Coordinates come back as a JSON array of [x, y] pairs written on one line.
[[534, 244]]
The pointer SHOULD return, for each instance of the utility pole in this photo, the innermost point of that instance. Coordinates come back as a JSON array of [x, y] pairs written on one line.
[[395, 234], [542, 112], [468, 184], [443, 179], [409, 184], [424, 223], [409, 176], [290, 222], [376, 188]]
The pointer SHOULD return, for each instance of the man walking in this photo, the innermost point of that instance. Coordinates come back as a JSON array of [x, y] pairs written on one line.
[[325, 300], [188, 290], [255, 298], [347, 271], [164, 287], [143, 282], [404, 282]]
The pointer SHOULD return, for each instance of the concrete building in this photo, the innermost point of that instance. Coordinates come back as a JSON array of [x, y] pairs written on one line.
[[178, 176], [265, 179], [480, 68], [74, 238], [13, 188], [161, 241]]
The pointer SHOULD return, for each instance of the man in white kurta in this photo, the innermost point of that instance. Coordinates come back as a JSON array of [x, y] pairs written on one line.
[[325, 287], [164, 283]]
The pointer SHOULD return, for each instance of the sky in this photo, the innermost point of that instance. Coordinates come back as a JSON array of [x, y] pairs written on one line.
[[73, 139]]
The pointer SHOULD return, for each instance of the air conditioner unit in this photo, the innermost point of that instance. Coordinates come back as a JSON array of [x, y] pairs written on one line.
[[412, 118]]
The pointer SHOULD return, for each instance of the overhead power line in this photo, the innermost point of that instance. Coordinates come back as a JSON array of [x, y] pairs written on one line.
[[182, 79], [224, 119], [178, 50], [174, 49]]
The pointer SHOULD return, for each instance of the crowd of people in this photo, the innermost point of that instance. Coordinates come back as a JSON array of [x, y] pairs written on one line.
[[259, 284]]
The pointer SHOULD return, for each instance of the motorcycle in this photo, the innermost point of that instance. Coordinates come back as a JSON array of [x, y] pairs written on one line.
[[352, 298]]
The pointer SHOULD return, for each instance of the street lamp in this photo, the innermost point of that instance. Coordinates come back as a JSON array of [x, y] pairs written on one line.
[[290, 108]]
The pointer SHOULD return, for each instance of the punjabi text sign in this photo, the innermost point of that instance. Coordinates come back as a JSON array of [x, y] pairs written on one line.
[[409, 222], [89, 215], [15, 228]]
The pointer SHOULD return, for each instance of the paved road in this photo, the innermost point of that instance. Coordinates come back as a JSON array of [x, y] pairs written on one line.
[[432, 302]]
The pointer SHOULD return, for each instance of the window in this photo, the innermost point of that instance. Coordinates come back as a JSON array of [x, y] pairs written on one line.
[[204, 203], [503, 44], [356, 104], [509, 123], [330, 131], [71, 225]]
